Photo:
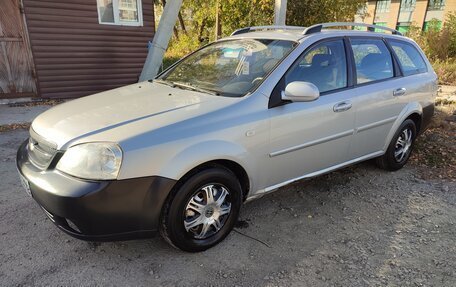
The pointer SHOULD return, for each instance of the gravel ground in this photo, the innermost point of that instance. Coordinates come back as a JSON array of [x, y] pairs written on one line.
[[356, 227], [21, 114]]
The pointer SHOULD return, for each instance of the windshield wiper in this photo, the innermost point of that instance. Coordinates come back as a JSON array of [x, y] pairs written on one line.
[[193, 88], [160, 81]]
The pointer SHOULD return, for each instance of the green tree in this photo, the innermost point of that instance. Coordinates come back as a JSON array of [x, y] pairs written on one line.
[[237, 14], [309, 12], [199, 17], [450, 27]]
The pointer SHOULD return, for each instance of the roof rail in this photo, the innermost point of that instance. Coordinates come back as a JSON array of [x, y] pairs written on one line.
[[257, 28], [317, 27]]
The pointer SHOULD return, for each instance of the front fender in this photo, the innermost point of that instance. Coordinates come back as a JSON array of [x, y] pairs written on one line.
[[203, 152]]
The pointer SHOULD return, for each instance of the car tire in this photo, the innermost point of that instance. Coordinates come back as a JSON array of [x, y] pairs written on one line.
[[400, 147], [193, 220]]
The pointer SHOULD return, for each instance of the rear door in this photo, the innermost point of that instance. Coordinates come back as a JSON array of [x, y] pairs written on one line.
[[377, 92], [417, 83]]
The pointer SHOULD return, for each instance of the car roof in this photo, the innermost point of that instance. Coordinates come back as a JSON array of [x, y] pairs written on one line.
[[293, 33], [299, 36]]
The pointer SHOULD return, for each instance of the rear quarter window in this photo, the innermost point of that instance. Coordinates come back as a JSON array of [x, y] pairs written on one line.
[[409, 58]]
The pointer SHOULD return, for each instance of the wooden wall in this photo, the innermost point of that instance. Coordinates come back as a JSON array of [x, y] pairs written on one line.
[[75, 56], [16, 65]]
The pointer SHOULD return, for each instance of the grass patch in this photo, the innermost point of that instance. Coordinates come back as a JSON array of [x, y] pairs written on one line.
[[38, 102], [446, 71], [12, 127]]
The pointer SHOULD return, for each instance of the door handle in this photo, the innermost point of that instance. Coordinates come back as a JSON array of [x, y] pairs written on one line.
[[399, 92], [342, 106]]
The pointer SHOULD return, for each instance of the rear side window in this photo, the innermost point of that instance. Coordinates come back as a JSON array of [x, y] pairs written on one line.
[[372, 59], [409, 58]]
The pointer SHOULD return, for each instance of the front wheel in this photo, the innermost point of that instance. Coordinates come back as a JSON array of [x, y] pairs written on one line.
[[202, 211], [400, 148]]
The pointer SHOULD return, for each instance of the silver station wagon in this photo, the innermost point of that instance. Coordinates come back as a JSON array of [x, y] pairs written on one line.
[[234, 120]]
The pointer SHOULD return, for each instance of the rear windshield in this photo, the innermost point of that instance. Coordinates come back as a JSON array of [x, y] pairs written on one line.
[[229, 68]]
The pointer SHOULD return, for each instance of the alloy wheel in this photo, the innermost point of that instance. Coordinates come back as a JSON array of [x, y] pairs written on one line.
[[403, 145], [207, 211]]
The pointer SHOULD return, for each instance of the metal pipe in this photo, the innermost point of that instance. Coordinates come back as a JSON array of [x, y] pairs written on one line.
[[161, 40], [280, 12]]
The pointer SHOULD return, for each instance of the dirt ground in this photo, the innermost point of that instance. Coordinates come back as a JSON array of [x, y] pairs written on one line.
[[356, 227]]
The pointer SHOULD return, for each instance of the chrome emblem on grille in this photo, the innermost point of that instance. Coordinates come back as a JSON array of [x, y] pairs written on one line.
[[40, 150], [32, 144]]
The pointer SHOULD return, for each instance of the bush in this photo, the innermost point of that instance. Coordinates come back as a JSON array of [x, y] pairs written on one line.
[[446, 71], [439, 45], [436, 43]]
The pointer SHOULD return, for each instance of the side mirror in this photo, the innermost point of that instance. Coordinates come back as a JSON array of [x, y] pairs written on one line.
[[300, 92]]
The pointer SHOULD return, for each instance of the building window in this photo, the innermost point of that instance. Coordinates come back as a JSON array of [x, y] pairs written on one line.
[[408, 5], [383, 6], [120, 12], [436, 5]]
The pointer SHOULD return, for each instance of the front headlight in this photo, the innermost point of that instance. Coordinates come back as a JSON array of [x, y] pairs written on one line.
[[92, 161]]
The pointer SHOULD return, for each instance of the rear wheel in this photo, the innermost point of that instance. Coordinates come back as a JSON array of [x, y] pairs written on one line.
[[400, 148], [202, 211]]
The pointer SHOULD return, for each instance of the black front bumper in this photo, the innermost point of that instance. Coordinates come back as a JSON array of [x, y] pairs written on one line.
[[97, 210]]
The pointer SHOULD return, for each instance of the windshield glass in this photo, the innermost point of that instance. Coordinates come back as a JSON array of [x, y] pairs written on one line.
[[228, 68]]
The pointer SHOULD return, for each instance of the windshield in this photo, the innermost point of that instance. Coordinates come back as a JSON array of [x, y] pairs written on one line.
[[228, 68]]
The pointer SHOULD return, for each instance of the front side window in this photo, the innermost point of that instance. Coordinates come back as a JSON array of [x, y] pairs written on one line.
[[372, 59], [325, 66], [228, 68], [409, 58], [120, 12]]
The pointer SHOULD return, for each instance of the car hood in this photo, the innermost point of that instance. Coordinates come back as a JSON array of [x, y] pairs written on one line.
[[108, 110]]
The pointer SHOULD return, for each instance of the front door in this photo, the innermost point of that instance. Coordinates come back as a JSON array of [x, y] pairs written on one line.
[[307, 137], [16, 72]]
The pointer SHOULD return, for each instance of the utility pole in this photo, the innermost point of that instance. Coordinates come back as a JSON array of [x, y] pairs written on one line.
[[161, 40], [280, 12], [218, 24]]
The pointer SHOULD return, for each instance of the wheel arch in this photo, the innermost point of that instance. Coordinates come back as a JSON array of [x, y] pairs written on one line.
[[209, 154], [413, 111], [231, 165], [417, 119]]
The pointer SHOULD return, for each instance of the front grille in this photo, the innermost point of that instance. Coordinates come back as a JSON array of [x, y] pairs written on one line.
[[40, 151]]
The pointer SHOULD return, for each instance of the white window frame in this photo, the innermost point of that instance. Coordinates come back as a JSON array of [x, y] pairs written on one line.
[[117, 21], [383, 6]]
